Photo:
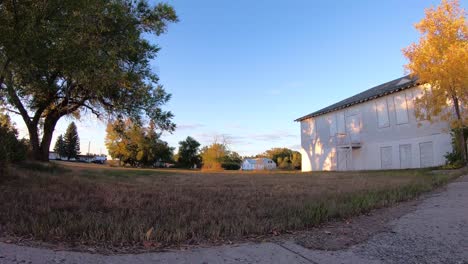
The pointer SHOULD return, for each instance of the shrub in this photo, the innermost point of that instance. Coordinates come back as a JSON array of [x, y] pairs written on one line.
[[454, 159], [230, 165], [11, 149]]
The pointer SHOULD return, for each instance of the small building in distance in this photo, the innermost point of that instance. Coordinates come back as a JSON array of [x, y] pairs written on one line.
[[54, 155], [258, 164]]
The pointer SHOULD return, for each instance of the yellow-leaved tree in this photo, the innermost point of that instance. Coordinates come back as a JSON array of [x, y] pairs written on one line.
[[440, 60]]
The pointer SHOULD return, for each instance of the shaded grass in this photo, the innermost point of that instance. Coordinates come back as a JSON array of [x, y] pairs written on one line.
[[94, 205]]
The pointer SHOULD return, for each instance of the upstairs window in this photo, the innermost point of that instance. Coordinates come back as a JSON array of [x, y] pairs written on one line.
[[382, 113], [401, 109], [332, 122], [340, 121]]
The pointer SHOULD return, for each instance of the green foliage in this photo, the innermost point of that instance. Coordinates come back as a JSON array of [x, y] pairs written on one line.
[[61, 58], [71, 142], [188, 155], [454, 159], [136, 145], [285, 158], [11, 149], [50, 168], [284, 164], [230, 165], [60, 147], [232, 161]]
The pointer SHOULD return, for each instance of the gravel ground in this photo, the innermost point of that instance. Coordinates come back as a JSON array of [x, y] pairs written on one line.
[[436, 231]]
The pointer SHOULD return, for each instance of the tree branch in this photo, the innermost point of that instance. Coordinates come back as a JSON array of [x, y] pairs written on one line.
[[38, 114], [2, 74], [16, 101], [12, 111], [97, 113]]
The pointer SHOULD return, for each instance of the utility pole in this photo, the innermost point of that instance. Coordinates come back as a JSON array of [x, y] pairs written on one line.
[[89, 146]]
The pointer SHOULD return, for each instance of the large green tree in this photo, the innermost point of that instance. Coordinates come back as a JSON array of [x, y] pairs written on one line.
[[136, 145], [157, 149], [62, 58], [71, 142], [189, 155], [60, 147]]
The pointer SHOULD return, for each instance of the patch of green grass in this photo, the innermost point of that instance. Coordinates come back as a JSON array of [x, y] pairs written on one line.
[[97, 205], [46, 167], [111, 174]]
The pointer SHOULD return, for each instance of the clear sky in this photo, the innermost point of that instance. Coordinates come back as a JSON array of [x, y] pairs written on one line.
[[247, 69]]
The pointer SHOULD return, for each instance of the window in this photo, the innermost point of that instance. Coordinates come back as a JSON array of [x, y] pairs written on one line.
[[418, 93], [340, 122], [332, 123], [426, 154], [382, 113], [405, 156], [401, 109], [386, 157]]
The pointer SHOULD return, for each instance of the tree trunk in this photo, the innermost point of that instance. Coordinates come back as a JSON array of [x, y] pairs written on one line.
[[40, 149], [462, 140], [49, 126], [34, 142], [460, 132]]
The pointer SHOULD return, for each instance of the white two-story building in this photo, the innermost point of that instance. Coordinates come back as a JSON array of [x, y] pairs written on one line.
[[376, 129]]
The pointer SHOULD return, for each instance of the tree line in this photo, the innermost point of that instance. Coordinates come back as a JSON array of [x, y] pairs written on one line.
[[134, 144]]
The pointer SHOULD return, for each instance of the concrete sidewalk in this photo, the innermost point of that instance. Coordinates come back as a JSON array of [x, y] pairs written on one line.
[[436, 232]]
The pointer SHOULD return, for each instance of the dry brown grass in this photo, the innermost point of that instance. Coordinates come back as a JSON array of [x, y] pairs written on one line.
[[94, 204]]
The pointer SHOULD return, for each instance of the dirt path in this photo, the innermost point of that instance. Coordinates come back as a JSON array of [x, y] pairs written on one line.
[[435, 230]]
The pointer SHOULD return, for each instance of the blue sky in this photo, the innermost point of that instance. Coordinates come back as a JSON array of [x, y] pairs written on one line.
[[247, 69]]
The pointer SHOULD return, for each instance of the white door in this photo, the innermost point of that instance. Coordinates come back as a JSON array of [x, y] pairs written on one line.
[[342, 159], [386, 157], [405, 156], [426, 152], [353, 128]]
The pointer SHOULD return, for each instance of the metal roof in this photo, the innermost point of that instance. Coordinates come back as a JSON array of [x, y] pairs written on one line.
[[375, 92]]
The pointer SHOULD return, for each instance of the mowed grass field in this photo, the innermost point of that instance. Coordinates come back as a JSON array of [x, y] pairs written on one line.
[[98, 205]]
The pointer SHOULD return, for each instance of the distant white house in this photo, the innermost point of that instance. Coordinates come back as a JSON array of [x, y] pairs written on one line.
[[258, 164], [54, 155], [375, 129]]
